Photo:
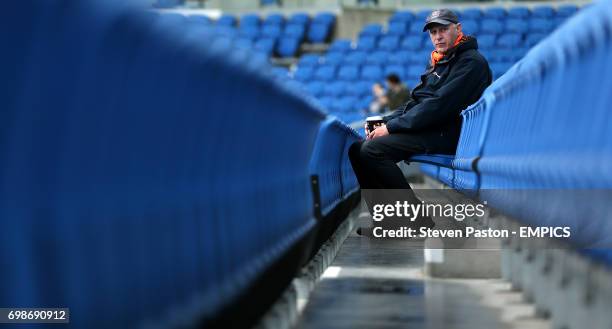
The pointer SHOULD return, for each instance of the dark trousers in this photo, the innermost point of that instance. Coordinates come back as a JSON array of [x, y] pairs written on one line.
[[375, 164]]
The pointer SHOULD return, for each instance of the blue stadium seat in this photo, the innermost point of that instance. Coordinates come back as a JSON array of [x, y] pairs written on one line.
[[226, 20], [280, 72], [274, 19], [372, 72], [250, 19], [416, 28], [265, 46], [359, 89], [516, 25], [308, 60], [541, 25], [471, 14], [486, 41], [288, 47], [397, 28], [566, 10], [348, 73], [249, 31], [299, 19], [470, 27], [366, 43], [402, 16], [304, 73], [519, 12], [543, 12], [399, 57], [334, 88], [315, 88], [324, 17], [325, 72], [271, 31], [200, 20], [491, 26], [297, 31], [340, 45], [244, 43], [389, 43], [413, 42], [333, 58], [371, 30], [533, 38], [356, 57], [421, 15], [377, 58], [495, 13], [319, 32], [510, 40]]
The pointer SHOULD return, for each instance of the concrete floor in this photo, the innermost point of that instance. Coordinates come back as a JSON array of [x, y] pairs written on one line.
[[375, 283]]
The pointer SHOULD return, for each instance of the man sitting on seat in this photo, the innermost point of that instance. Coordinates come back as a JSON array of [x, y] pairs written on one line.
[[430, 122]]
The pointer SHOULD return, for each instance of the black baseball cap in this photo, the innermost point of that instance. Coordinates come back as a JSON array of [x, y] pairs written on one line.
[[440, 16]]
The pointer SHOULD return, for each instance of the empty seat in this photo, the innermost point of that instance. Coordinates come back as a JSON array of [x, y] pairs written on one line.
[[377, 58], [324, 17], [319, 32], [422, 14], [299, 18], [402, 16], [250, 19], [308, 60], [271, 31], [342, 45], [491, 26], [371, 30], [494, 13], [519, 12], [348, 73], [315, 88], [244, 43], [366, 43], [389, 43], [334, 89], [274, 19], [265, 46], [399, 57], [325, 72], [470, 27], [356, 57], [304, 73], [295, 31], [471, 13], [372, 72], [280, 72], [249, 31], [415, 28], [226, 20], [566, 10], [541, 25], [288, 47], [333, 57], [487, 41], [510, 40], [412, 42], [517, 25], [543, 12], [359, 88], [533, 38], [397, 28]]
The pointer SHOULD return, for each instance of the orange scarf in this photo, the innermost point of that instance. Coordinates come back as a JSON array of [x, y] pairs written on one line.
[[436, 56]]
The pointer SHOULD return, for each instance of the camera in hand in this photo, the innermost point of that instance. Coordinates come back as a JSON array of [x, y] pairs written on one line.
[[374, 122]]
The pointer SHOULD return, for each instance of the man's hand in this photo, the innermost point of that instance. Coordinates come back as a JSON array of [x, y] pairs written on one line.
[[378, 132]]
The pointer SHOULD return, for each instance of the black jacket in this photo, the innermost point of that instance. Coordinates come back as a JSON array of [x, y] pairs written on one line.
[[457, 81]]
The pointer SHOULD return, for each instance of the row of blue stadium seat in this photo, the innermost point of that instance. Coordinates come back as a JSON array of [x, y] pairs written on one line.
[[128, 186], [485, 41], [316, 30], [536, 146], [470, 26], [541, 11]]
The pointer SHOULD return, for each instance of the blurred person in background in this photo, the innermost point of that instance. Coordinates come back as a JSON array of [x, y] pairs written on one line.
[[393, 98]]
